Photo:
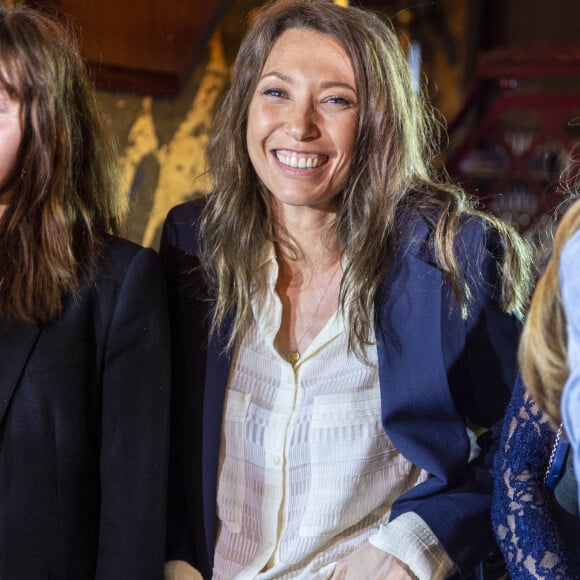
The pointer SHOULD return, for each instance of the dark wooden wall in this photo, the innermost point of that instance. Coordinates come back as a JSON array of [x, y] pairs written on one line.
[[146, 46], [518, 23]]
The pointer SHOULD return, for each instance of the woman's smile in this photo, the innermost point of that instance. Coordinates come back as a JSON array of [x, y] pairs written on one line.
[[300, 160]]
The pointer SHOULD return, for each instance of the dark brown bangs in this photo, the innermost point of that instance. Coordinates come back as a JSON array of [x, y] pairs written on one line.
[[12, 78], [6, 85]]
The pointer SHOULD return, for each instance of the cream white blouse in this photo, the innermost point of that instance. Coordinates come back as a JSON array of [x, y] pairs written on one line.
[[307, 472]]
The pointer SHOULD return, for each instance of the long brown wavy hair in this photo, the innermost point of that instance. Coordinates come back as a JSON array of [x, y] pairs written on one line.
[[392, 170], [543, 346], [63, 198]]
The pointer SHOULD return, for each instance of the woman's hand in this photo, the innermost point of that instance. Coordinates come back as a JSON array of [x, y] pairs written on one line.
[[370, 563], [180, 570]]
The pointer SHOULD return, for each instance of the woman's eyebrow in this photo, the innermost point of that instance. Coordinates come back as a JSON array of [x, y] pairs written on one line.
[[324, 85]]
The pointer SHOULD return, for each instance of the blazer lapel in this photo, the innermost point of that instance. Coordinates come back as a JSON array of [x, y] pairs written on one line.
[[412, 371], [217, 372], [17, 341]]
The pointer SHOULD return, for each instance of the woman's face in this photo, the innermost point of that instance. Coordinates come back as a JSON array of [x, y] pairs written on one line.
[[302, 119], [10, 138]]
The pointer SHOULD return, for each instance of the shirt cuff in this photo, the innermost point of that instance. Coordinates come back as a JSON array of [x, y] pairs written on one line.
[[411, 540], [180, 570]]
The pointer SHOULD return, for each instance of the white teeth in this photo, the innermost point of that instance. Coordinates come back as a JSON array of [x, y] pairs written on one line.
[[300, 162]]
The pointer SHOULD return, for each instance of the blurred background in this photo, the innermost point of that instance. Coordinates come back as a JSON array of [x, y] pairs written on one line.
[[505, 76]]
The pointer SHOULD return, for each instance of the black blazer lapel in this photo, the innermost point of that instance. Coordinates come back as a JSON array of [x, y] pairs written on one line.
[[17, 341], [217, 372]]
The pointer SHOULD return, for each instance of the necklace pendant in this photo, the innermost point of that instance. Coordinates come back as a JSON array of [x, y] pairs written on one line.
[[293, 357]]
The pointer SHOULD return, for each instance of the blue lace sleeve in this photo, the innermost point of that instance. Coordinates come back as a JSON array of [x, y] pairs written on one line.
[[521, 512]]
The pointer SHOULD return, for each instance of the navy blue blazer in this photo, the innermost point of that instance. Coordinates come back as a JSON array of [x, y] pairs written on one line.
[[437, 369], [84, 429]]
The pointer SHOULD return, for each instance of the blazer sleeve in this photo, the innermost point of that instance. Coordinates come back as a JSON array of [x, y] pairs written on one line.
[[480, 357], [186, 538], [135, 425]]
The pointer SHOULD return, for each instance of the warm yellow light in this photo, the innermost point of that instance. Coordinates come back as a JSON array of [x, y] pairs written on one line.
[[341, 2]]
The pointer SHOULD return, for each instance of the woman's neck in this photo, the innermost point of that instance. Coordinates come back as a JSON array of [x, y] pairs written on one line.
[[307, 243], [308, 287], [315, 263]]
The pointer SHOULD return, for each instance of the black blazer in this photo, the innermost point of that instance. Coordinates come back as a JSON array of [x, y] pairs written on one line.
[[84, 430]]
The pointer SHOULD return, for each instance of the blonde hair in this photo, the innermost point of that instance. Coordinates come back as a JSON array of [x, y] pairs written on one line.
[[543, 346]]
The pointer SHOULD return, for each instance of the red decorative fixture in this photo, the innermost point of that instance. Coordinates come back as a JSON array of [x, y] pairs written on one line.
[[517, 132]]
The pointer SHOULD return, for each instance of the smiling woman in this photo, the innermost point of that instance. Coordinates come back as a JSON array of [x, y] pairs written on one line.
[[302, 123], [340, 314]]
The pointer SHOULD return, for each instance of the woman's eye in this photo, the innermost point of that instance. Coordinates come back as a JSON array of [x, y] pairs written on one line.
[[5, 107], [339, 101], [8, 105], [273, 92]]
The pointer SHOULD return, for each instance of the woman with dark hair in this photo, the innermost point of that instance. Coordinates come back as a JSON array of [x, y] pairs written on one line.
[[342, 318], [84, 335]]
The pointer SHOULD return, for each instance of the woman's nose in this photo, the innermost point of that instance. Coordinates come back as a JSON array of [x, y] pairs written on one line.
[[302, 124]]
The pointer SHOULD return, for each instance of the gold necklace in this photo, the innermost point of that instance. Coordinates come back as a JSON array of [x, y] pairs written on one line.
[[293, 356]]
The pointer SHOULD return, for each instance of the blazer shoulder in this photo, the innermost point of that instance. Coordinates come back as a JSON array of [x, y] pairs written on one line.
[[122, 255], [474, 236], [181, 226], [415, 237], [186, 212]]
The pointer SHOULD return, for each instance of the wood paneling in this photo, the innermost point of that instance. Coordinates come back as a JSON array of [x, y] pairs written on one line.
[[144, 45], [525, 23]]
